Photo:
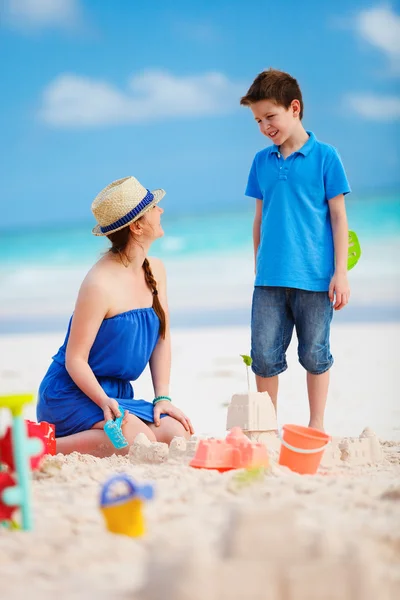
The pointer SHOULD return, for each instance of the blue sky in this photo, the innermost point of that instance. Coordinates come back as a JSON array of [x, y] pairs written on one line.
[[97, 90]]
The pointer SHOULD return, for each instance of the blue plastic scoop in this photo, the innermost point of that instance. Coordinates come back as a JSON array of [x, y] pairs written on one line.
[[114, 432]]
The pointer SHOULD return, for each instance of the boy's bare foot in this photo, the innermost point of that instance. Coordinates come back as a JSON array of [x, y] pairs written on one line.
[[317, 425]]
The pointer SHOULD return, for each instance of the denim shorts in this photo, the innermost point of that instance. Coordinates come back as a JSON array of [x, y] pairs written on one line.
[[275, 312]]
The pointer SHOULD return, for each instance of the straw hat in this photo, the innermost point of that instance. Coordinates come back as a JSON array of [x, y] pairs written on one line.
[[121, 203]]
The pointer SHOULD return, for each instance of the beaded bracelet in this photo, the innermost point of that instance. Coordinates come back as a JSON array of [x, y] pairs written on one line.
[[161, 398]]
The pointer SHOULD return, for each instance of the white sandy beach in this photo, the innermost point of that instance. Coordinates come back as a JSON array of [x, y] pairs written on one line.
[[207, 370], [333, 536]]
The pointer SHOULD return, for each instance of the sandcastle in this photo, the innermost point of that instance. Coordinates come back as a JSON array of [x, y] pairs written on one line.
[[361, 450], [357, 451], [235, 452], [179, 450], [254, 413]]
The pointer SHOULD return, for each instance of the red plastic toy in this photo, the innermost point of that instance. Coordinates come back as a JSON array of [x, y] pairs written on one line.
[[6, 512], [235, 452], [44, 431]]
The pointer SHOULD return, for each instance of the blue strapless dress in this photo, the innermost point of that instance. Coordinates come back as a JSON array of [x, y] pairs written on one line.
[[120, 353]]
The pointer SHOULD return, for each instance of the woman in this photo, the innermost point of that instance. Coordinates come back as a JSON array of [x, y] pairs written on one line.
[[120, 324]]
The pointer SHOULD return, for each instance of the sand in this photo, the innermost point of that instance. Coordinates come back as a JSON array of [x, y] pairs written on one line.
[[207, 531], [332, 536]]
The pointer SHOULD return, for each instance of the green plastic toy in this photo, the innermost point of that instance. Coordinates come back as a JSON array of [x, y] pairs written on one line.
[[248, 361], [354, 250]]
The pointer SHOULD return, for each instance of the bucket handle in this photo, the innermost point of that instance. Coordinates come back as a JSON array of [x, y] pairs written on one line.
[[302, 450], [107, 500], [144, 492]]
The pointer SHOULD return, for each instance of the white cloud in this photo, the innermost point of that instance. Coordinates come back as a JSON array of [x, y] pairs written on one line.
[[375, 107], [41, 14], [380, 27], [75, 101]]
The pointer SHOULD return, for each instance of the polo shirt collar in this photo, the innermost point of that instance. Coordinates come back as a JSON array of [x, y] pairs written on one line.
[[305, 149]]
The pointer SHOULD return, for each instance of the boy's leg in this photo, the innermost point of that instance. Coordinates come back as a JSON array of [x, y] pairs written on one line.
[[317, 386], [269, 385], [313, 315], [271, 331]]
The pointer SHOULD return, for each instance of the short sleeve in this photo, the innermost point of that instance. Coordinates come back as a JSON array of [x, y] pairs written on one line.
[[253, 187], [335, 177]]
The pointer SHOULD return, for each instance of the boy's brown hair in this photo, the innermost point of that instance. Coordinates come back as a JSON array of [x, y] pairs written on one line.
[[274, 85]]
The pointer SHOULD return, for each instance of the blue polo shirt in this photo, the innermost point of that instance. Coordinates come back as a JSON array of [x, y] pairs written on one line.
[[296, 241]]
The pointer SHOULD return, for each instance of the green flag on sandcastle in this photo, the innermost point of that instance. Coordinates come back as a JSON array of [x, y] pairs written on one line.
[[248, 362]]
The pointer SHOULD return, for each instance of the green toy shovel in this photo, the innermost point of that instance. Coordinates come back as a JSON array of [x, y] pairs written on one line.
[[354, 250]]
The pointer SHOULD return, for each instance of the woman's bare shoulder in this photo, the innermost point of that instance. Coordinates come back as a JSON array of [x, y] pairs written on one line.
[[98, 278], [157, 266]]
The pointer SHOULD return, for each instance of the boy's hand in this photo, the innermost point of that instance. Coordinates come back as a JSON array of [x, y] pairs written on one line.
[[339, 290]]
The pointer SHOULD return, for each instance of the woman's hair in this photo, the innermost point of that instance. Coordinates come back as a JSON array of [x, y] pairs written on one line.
[[119, 242]]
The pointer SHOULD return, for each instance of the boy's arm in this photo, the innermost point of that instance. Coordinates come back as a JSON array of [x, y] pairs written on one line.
[[336, 187], [339, 289], [253, 191], [256, 230]]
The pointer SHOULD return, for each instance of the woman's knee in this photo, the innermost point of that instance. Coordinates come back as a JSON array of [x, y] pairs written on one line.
[[134, 426], [168, 429]]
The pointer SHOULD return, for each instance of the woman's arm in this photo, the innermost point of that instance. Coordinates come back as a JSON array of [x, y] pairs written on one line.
[[91, 307], [339, 287], [160, 361]]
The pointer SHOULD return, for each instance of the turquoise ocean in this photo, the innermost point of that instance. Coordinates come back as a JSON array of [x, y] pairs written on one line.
[[209, 260]]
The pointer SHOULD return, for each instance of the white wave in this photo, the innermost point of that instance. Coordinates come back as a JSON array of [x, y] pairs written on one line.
[[201, 282], [172, 244]]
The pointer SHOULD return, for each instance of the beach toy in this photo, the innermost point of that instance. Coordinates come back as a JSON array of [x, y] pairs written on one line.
[[123, 512], [354, 250], [252, 412], [249, 476], [6, 511], [235, 452], [302, 448], [18, 494], [44, 431], [248, 361], [114, 432]]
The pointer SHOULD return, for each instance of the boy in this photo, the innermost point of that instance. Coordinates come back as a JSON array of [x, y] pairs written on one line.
[[300, 241]]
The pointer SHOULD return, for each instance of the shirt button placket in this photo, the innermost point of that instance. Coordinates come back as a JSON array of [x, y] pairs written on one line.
[[282, 169]]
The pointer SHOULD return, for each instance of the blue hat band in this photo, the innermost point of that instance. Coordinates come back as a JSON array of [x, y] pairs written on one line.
[[149, 197]]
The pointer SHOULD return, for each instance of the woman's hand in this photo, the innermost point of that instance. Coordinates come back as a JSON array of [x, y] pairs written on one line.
[[111, 410], [166, 408]]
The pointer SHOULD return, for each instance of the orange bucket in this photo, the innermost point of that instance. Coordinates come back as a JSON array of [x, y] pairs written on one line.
[[302, 448]]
